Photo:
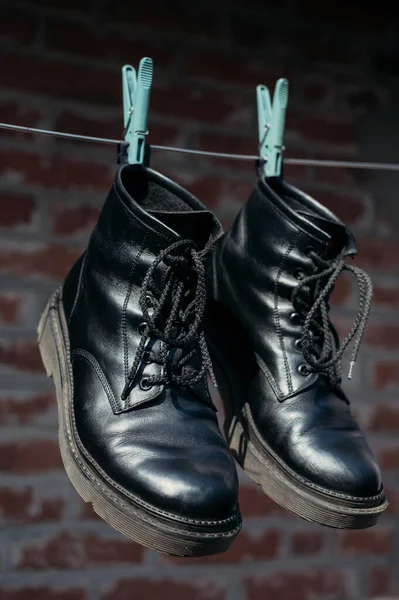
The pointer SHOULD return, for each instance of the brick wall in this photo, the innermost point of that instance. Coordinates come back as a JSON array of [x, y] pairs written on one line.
[[60, 68]]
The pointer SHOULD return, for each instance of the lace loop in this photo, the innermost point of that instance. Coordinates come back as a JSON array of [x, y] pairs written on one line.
[[183, 300], [318, 333]]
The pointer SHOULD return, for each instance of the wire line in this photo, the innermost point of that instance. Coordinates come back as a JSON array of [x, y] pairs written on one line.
[[288, 161]]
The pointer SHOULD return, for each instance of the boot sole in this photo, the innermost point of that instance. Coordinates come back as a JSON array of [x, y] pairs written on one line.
[[276, 481], [158, 532]]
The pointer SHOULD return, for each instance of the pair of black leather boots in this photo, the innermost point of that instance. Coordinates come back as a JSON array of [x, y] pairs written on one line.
[[161, 298]]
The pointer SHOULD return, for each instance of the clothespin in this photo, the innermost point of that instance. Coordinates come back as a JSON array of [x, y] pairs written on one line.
[[136, 99], [271, 121]]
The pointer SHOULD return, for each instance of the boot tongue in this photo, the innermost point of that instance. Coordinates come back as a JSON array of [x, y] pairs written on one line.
[[341, 237], [197, 225]]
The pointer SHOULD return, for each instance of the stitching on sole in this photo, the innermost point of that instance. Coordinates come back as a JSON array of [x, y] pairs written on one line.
[[298, 477], [59, 340]]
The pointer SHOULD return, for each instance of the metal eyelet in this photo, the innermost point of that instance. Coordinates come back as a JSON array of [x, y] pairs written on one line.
[[296, 318], [298, 344], [304, 370], [147, 357], [175, 329], [149, 299], [299, 274], [309, 250], [142, 327], [145, 384]]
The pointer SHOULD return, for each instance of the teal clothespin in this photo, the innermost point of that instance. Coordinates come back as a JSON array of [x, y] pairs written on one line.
[[136, 100], [271, 121]]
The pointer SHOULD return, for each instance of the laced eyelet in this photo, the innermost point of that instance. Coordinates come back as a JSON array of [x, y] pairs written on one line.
[[299, 274], [147, 357], [303, 370], [296, 318], [142, 327], [149, 299], [175, 329], [145, 384], [309, 250], [298, 345]]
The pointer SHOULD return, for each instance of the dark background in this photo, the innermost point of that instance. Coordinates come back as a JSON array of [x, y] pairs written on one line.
[[60, 68]]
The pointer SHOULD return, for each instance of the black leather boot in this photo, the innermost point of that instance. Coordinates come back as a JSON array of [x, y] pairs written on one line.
[[123, 340], [288, 422]]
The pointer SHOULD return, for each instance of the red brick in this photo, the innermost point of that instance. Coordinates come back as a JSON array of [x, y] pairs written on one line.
[[53, 260], [23, 412], [195, 20], [23, 506], [367, 16], [249, 32], [164, 135], [381, 255], [55, 171], [10, 308], [379, 582], [318, 92], [306, 542], [297, 174], [41, 593], [22, 355], [226, 222], [337, 176], [389, 458], [259, 4], [325, 130], [316, 48], [72, 122], [364, 542], [215, 142], [29, 456], [385, 417], [349, 209], [16, 209], [342, 291], [69, 220], [393, 499], [304, 585], [360, 99], [77, 550], [386, 375], [17, 27], [382, 336], [386, 296], [254, 503], [61, 80], [221, 194], [87, 512], [19, 114], [229, 69], [246, 547], [107, 46], [201, 104], [143, 589], [69, 5], [112, 128]]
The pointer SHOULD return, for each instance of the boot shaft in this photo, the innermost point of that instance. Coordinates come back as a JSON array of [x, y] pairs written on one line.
[[258, 265]]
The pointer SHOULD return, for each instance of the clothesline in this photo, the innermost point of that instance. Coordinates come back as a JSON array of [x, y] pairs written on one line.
[[289, 161]]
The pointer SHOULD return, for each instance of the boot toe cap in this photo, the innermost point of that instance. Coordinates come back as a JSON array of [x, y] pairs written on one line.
[[196, 488], [341, 467]]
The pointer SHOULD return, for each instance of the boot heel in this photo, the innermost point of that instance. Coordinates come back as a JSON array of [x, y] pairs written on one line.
[[47, 345]]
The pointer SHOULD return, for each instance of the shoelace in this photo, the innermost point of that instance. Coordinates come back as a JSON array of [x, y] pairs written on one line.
[[183, 298], [318, 332]]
